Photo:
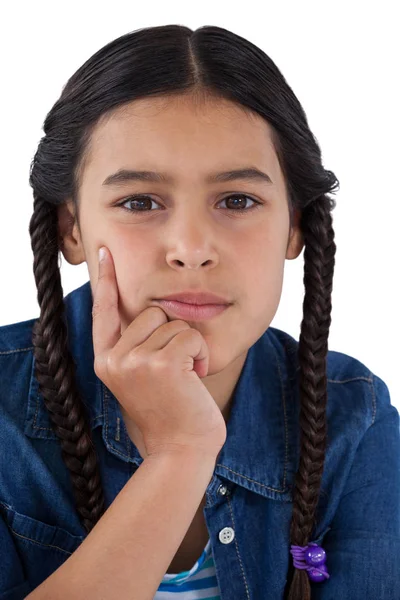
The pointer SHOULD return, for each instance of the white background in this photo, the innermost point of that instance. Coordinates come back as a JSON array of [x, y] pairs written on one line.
[[342, 61]]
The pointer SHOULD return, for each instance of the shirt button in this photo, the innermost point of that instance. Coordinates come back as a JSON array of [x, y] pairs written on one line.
[[222, 490], [226, 535]]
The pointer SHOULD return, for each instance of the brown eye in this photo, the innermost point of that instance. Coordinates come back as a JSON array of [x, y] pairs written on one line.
[[239, 205], [141, 203]]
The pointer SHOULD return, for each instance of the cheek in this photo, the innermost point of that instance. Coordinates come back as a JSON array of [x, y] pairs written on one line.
[[261, 279], [261, 258], [134, 276], [263, 293], [244, 324], [132, 264]]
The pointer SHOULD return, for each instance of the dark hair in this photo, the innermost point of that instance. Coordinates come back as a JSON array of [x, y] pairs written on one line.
[[174, 60]]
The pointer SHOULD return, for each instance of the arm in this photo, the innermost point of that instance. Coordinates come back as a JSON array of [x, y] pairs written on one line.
[[363, 544], [129, 550]]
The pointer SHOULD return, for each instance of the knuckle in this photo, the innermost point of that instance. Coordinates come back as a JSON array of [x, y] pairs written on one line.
[[178, 325], [98, 366], [98, 309], [112, 363], [161, 363], [190, 333], [95, 309], [136, 359], [157, 361]]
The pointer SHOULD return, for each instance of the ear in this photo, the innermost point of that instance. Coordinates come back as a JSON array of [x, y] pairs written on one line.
[[296, 240], [69, 237]]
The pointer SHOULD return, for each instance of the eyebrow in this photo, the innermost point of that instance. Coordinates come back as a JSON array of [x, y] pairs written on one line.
[[126, 175]]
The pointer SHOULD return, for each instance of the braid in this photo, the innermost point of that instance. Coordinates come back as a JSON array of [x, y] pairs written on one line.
[[55, 369], [319, 260]]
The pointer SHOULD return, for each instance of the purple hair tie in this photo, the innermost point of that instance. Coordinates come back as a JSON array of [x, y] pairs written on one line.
[[311, 557]]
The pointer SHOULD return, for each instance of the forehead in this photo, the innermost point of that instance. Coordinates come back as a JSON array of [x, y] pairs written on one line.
[[181, 135]]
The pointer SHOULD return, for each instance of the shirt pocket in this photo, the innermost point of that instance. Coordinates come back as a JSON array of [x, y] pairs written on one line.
[[42, 547]]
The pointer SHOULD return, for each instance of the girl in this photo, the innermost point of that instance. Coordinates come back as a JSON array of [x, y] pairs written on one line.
[[160, 438]]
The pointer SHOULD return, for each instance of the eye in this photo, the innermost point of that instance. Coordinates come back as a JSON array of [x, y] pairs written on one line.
[[240, 207], [145, 201]]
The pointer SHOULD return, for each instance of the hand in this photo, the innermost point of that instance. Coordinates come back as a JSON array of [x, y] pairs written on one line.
[[154, 371]]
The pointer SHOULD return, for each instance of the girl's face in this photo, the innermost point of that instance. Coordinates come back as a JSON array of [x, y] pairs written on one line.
[[184, 235]]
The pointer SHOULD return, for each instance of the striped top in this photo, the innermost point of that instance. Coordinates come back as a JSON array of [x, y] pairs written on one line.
[[200, 583]]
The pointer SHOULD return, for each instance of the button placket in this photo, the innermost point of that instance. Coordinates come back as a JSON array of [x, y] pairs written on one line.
[[227, 534]]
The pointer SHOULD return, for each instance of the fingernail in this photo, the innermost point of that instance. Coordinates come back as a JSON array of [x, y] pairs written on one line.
[[102, 253]]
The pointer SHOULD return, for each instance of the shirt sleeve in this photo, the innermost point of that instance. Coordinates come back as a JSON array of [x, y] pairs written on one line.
[[13, 584], [363, 544]]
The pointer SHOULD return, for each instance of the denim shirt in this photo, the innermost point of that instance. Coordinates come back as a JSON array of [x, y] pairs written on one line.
[[250, 494]]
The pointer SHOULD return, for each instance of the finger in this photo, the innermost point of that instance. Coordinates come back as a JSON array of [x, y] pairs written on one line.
[[144, 331], [189, 345], [105, 314]]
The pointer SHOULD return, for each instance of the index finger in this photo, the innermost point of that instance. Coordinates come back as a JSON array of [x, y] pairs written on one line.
[[105, 314]]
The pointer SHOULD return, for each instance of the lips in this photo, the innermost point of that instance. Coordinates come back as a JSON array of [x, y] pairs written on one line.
[[196, 298], [192, 312]]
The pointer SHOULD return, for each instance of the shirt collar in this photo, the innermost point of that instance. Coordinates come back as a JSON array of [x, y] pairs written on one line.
[[262, 431]]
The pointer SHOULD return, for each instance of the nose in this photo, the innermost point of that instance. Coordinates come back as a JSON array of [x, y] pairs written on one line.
[[191, 245], [190, 258]]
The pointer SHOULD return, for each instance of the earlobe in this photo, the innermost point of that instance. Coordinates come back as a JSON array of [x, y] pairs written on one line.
[[69, 240], [296, 244], [296, 241]]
